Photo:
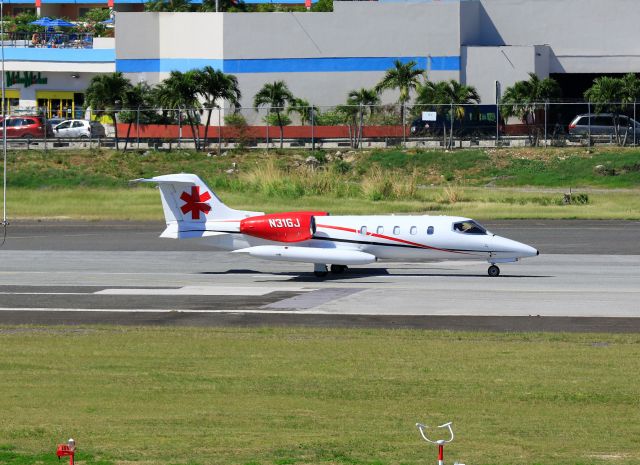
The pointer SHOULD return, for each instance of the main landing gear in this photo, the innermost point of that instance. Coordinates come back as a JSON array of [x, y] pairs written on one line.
[[320, 270], [493, 271]]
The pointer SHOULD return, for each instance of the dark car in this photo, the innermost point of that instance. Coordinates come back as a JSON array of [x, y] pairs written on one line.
[[25, 127], [478, 120]]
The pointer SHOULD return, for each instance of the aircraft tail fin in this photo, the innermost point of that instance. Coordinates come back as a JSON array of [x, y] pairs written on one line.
[[187, 199]]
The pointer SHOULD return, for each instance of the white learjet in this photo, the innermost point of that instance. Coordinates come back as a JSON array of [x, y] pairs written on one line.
[[193, 211]]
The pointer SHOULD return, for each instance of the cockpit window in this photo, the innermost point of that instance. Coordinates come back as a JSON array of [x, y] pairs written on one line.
[[469, 227]]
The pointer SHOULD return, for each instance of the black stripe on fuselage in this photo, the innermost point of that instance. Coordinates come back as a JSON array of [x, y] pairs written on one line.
[[406, 246], [353, 241]]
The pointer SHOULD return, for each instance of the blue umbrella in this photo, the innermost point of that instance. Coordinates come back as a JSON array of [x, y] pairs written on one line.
[[44, 21], [59, 23]]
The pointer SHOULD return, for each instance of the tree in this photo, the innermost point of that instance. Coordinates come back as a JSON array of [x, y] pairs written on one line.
[[433, 96], [214, 86], [169, 5], [322, 6], [607, 92], [354, 111], [180, 92], [277, 95], [105, 95], [303, 108], [524, 97], [134, 98], [404, 77], [232, 6]]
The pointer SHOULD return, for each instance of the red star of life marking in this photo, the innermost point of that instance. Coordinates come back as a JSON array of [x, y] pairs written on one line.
[[195, 203]]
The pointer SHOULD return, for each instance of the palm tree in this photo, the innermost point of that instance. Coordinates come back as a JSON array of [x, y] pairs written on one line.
[[303, 108], [356, 101], [105, 95], [214, 86], [180, 91], [134, 98], [404, 77], [606, 93], [433, 95], [524, 97], [277, 95]]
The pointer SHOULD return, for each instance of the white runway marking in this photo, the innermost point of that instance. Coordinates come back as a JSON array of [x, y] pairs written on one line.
[[205, 290]]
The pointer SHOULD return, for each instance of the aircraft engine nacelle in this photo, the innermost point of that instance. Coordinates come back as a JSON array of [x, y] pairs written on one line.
[[282, 227]]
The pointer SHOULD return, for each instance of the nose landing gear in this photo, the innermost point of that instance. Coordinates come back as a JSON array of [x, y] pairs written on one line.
[[493, 271]]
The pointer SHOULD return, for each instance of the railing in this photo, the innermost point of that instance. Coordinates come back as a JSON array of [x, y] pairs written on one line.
[[48, 40]]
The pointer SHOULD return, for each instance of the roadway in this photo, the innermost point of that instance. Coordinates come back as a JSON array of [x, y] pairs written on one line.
[[587, 278]]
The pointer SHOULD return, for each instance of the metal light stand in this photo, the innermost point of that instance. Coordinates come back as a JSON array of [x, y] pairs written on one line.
[[5, 223], [439, 442]]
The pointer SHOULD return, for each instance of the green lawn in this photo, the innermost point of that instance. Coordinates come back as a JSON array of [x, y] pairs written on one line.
[[276, 396]]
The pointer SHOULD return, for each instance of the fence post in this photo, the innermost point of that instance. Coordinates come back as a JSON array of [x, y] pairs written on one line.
[[219, 130], [404, 135], [266, 121], [589, 113], [313, 140], [546, 105], [179, 128], [497, 122], [138, 127], [634, 122], [361, 128]]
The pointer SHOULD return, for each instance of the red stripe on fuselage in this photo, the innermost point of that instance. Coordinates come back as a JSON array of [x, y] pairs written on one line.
[[395, 239]]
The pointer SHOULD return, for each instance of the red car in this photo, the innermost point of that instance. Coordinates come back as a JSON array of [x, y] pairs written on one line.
[[26, 127]]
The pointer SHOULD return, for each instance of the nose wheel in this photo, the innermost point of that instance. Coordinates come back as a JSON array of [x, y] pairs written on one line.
[[493, 271]]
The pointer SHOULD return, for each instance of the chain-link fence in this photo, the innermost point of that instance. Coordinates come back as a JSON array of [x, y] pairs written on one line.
[[445, 126]]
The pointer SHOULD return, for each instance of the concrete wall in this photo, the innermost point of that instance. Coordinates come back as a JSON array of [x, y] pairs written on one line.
[[484, 65], [354, 29], [590, 36]]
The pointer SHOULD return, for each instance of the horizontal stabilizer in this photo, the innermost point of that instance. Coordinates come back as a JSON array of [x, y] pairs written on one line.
[[183, 231], [309, 255]]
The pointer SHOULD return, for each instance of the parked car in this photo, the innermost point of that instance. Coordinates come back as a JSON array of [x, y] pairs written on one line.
[[79, 128], [478, 120], [26, 127], [602, 126]]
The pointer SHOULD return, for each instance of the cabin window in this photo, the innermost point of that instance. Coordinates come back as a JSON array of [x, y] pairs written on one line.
[[396, 230], [413, 231], [363, 230], [469, 227], [380, 229], [430, 230]]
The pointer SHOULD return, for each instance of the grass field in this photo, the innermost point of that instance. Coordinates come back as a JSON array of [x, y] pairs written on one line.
[[484, 184], [311, 396]]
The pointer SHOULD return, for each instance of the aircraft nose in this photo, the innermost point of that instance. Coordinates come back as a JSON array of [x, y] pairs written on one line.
[[515, 248]]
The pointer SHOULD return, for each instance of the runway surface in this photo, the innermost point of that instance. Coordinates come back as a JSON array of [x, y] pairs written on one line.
[[587, 278]]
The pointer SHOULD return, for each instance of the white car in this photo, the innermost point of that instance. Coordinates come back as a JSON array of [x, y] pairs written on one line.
[[79, 128]]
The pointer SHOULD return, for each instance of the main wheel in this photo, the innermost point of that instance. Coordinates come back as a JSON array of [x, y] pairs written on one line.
[[320, 270], [493, 271], [338, 269]]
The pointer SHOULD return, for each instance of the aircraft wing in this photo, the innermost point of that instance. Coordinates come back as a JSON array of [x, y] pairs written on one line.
[[308, 254]]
